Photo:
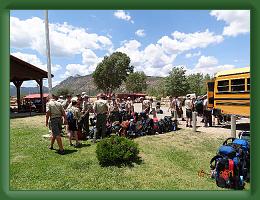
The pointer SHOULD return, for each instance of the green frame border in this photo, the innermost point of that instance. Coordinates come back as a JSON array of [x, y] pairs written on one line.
[[7, 5]]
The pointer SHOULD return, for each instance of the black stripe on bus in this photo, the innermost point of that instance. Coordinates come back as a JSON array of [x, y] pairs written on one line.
[[234, 92], [232, 104], [231, 98]]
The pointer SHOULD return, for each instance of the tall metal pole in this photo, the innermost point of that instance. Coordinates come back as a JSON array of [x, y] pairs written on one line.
[[48, 54]]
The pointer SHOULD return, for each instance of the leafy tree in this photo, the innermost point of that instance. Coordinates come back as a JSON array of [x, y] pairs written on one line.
[[196, 83], [176, 83], [112, 71], [136, 82], [62, 92], [158, 90]]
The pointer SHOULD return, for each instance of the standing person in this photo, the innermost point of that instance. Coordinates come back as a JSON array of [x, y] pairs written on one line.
[[67, 103], [55, 112], [180, 110], [79, 106], [114, 111], [101, 111], [173, 106], [146, 106], [129, 105], [86, 109], [188, 107], [73, 116], [207, 114]]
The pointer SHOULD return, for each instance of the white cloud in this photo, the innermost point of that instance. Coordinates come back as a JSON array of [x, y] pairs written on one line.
[[206, 61], [65, 39], [181, 42], [238, 21], [209, 65], [152, 60], [89, 63], [120, 14], [190, 55], [140, 33], [34, 60]]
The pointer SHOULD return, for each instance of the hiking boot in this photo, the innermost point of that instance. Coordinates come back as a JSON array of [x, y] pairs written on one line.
[[77, 145], [187, 125], [71, 145], [51, 148], [61, 152], [190, 126]]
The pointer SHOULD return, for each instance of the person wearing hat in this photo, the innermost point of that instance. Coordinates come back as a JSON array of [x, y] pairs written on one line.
[[129, 105], [73, 116], [86, 109], [61, 100], [55, 113], [67, 103], [188, 106], [114, 110], [101, 111]]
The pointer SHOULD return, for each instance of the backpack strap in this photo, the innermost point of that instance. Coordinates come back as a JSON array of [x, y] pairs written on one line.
[[214, 160], [226, 141]]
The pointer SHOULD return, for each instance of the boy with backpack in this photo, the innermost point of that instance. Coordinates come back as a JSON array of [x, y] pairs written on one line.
[[73, 115]]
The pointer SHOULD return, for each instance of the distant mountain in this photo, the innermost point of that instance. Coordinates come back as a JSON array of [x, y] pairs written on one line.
[[78, 84], [27, 90]]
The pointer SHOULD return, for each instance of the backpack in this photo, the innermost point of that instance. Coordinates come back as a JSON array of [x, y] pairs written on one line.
[[227, 174], [70, 116], [231, 164]]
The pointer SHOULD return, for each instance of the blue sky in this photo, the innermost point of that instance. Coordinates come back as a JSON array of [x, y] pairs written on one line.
[[204, 41]]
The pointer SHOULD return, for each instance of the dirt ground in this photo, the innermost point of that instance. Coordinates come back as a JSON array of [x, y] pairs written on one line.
[[222, 131]]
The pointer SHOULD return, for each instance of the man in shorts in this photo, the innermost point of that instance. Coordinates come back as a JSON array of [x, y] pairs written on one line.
[[73, 116], [188, 106], [55, 112]]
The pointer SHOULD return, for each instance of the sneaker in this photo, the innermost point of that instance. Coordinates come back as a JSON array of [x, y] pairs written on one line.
[[78, 145], [71, 145], [61, 152], [190, 126], [187, 125], [51, 148]]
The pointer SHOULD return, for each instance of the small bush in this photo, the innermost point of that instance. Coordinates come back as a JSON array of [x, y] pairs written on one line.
[[117, 151]]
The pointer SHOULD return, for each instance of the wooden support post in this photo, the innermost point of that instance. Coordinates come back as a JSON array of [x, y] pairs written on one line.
[[194, 121], [233, 126], [18, 93], [39, 81]]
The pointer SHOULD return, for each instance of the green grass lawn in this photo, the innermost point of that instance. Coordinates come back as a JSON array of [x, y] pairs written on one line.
[[169, 162]]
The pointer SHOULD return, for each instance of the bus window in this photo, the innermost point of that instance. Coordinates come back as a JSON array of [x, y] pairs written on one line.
[[223, 86], [211, 86], [238, 85], [248, 84]]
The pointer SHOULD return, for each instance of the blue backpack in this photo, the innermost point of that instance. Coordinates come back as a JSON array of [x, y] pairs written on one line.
[[70, 117], [231, 164]]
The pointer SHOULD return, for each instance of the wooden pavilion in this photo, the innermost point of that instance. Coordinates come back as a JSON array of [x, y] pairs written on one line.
[[21, 71]]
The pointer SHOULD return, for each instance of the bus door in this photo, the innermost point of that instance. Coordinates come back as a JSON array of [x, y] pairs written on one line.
[[210, 93]]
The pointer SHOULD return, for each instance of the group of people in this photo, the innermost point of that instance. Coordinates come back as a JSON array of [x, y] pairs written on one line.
[[200, 105], [74, 113]]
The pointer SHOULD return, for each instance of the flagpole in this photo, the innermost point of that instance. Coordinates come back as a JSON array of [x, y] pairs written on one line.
[[48, 54]]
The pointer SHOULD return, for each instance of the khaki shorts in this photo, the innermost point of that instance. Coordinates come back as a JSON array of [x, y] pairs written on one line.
[[56, 126]]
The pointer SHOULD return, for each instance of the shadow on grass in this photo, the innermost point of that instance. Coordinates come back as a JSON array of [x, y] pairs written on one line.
[[137, 161], [83, 145], [68, 151]]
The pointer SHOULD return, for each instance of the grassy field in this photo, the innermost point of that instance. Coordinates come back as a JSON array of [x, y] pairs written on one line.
[[169, 162]]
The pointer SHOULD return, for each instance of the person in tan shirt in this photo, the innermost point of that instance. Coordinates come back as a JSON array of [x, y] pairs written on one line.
[[54, 113], [101, 111]]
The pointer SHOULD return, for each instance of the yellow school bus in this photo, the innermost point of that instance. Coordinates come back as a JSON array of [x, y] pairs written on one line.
[[229, 92]]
